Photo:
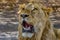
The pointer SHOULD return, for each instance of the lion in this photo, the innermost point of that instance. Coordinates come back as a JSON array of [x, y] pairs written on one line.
[[34, 23]]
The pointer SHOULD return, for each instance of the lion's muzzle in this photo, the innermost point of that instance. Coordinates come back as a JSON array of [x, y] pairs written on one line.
[[24, 15]]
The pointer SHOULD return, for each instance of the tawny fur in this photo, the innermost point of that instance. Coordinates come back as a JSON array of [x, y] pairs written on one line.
[[40, 19]]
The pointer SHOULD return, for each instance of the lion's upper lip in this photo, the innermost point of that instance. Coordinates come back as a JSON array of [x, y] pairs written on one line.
[[26, 25]]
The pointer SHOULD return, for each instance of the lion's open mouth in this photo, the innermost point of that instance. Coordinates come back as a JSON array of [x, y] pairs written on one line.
[[26, 25], [28, 29]]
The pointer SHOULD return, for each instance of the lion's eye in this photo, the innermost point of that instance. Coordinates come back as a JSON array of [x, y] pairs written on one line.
[[35, 9], [22, 8]]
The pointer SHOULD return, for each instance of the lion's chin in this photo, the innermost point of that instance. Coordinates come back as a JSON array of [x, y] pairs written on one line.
[[27, 35]]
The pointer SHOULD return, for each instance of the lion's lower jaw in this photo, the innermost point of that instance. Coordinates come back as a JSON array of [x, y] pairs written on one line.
[[27, 35]]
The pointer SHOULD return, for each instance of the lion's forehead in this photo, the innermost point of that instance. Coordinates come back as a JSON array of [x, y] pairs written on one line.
[[25, 12]]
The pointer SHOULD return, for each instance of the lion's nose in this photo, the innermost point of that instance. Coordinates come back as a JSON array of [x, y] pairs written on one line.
[[24, 15]]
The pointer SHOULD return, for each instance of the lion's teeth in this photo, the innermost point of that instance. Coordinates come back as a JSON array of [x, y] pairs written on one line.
[[27, 28]]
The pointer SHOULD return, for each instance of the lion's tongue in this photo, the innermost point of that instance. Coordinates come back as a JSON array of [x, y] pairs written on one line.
[[25, 24]]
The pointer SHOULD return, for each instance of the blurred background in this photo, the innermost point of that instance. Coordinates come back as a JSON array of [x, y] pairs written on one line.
[[9, 16]]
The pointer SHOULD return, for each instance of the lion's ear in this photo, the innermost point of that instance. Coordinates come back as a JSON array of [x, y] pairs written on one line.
[[47, 11], [21, 7]]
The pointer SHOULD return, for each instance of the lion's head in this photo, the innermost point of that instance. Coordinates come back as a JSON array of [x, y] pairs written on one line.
[[32, 14]]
